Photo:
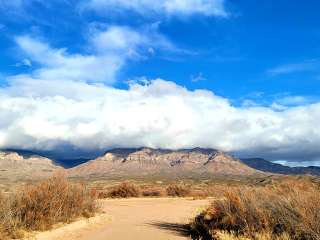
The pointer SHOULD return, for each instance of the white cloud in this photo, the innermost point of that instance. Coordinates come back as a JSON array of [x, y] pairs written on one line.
[[58, 64], [118, 39], [166, 7], [40, 114], [315, 162], [127, 41], [110, 49], [294, 100], [285, 101], [278, 102]]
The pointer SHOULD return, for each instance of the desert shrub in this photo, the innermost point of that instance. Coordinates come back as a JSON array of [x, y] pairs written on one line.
[[177, 190], [289, 209], [199, 193], [259, 236], [152, 192], [124, 190], [103, 194], [39, 206]]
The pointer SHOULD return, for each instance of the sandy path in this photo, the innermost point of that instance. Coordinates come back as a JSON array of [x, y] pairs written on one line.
[[157, 219]]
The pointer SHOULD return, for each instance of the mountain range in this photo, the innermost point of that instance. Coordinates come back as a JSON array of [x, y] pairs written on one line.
[[268, 166], [143, 162]]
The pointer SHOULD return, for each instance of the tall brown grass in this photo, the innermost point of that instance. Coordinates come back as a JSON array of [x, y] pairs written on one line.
[[177, 190], [38, 207], [124, 190], [289, 210]]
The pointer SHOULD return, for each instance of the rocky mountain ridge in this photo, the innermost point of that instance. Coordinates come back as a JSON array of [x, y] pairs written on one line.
[[148, 161]]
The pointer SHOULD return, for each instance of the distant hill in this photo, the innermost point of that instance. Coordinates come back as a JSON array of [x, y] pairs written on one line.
[[151, 162], [267, 166], [25, 165]]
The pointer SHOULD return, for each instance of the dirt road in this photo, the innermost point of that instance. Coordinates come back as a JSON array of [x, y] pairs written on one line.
[[134, 219]]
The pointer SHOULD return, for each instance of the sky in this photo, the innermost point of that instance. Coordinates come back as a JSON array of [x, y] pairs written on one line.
[[90, 75]]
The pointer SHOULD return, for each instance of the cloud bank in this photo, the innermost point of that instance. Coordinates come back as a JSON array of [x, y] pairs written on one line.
[[39, 114]]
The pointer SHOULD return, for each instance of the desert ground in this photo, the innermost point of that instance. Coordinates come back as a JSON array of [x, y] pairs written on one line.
[[279, 207], [137, 218]]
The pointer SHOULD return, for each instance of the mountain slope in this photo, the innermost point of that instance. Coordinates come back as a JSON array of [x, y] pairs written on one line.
[[267, 166], [148, 161], [15, 165]]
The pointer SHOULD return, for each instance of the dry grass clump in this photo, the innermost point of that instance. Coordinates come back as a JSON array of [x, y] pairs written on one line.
[[152, 192], [124, 190], [260, 236], [199, 193], [290, 210], [127, 190], [3, 216], [177, 190], [39, 206], [103, 194]]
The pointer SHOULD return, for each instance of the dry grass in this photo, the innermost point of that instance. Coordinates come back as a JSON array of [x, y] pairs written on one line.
[[142, 189], [4, 234], [259, 236], [129, 190], [289, 210], [40, 206], [177, 190], [124, 190], [152, 192]]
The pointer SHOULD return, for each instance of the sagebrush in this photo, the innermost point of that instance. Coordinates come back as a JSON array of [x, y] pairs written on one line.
[[290, 210], [175, 190], [38, 207], [124, 190]]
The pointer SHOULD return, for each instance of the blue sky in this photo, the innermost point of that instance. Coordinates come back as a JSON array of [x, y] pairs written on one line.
[[235, 53], [254, 56]]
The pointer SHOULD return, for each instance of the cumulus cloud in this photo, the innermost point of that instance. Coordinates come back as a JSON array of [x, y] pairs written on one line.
[[166, 7], [37, 114]]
